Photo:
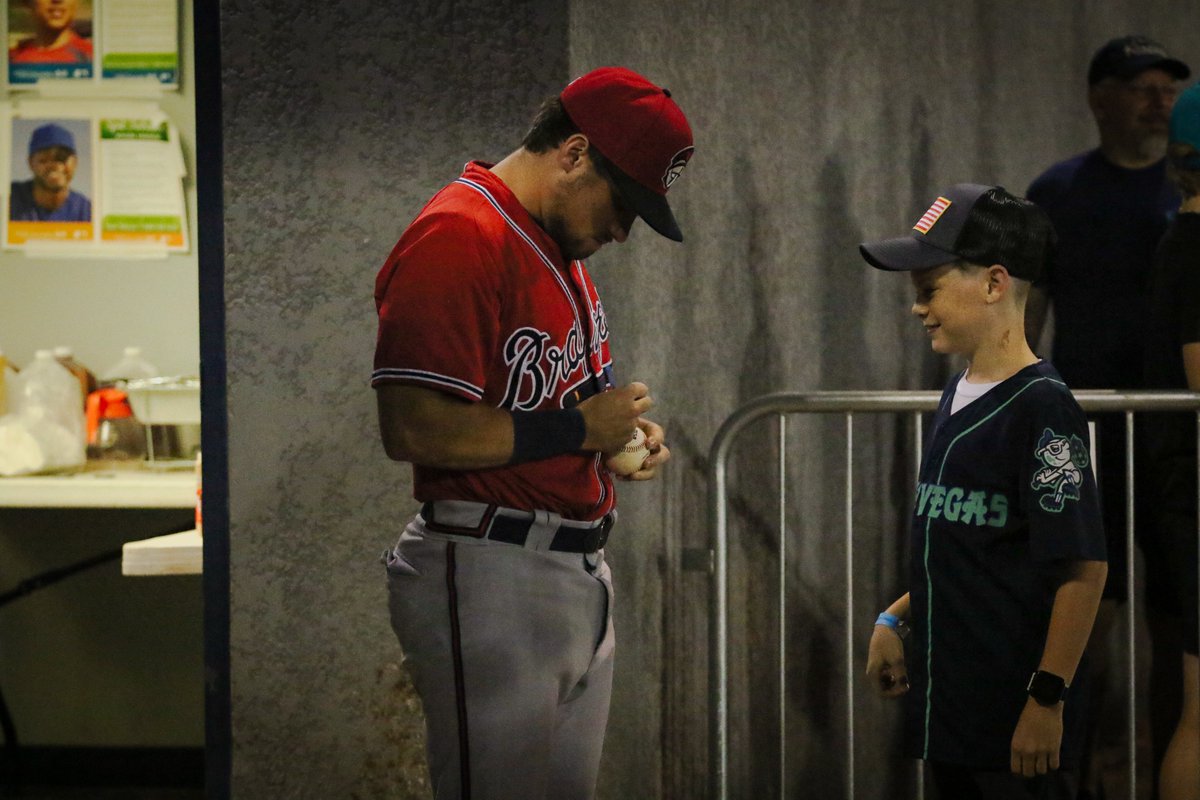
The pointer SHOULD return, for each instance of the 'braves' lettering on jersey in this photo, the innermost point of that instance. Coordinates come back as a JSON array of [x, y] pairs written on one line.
[[477, 301], [539, 370]]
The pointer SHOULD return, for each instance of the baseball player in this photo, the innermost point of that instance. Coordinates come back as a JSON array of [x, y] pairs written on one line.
[[493, 377], [1008, 559]]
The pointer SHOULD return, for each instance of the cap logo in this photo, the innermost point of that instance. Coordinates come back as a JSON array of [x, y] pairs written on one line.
[[932, 215], [678, 162], [1144, 49]]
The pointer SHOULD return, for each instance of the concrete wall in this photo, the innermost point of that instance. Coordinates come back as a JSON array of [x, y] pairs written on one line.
[[340, 121], [814, 131]]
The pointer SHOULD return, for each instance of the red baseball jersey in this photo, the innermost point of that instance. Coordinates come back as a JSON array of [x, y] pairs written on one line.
[[76, 50], [477, 301]]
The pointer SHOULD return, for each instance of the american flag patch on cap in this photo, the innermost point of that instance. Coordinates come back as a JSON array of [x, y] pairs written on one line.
[[932, 215]]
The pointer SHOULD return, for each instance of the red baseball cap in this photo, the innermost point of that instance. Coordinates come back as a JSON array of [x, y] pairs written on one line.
[[639, 128]]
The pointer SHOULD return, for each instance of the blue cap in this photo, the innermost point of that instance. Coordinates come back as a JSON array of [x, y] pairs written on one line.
[[51, 135], [1185, 124]]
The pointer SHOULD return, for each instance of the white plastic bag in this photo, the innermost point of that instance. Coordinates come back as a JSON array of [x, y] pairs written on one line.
[[45, 431]]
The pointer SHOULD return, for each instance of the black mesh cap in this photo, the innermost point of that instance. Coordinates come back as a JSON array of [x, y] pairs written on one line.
[[974, 223], [1129, 56]]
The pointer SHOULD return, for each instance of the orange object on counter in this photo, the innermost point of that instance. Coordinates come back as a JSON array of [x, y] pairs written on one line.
[[112, 430], [105, 404]]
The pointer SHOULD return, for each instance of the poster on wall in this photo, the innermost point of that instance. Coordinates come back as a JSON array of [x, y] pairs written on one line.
[[49, 39], [140, 40], [51, 188], [142, 171], [93, 179], [84, 43]]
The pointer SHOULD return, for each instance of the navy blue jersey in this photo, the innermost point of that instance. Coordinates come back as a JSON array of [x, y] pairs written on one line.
[[1006, 499], [23, 208]]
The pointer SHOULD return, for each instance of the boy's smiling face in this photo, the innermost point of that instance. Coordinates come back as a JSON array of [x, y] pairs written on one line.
[[950, 301]]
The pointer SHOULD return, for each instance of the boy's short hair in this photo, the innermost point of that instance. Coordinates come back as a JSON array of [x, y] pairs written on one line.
[[974, 223]]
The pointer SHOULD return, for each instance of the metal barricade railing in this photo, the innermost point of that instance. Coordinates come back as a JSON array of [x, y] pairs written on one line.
[[849, 403]]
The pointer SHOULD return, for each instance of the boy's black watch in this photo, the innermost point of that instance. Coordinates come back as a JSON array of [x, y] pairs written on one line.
[[1046, 688]]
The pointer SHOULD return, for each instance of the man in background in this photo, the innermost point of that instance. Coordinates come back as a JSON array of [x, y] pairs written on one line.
[[1110, 206], [48, 196]]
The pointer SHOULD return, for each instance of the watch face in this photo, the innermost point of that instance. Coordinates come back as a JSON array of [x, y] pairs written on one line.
[[1046, 688]]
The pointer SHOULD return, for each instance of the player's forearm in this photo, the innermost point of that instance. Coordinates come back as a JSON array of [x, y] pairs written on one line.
[[435, 429], [1071, 619]]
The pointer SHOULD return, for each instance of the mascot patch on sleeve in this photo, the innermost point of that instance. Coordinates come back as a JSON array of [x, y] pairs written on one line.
[[1064, 459]]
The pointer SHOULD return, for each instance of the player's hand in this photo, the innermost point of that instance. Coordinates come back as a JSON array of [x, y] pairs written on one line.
[[1037, 739], [885, 663], [612, 416], [659, 454]]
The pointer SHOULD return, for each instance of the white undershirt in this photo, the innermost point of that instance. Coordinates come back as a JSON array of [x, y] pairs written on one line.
[[966, 393]]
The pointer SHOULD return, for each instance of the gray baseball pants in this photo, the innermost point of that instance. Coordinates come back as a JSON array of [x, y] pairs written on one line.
[[511, 651]]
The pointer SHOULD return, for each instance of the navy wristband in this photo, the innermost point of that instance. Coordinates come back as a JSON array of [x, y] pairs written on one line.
[[542, 434]]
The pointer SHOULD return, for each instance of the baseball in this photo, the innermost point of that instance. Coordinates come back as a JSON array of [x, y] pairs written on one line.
[[629, 459]]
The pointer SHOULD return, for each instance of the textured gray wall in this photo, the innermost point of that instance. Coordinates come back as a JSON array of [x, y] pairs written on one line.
[[814, 130], [340, 121]]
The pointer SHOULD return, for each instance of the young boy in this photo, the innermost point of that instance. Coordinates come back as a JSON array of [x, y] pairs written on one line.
[[1008, 556]]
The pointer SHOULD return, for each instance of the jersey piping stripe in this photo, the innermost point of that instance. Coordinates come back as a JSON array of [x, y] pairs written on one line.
[[600, 480], [929, 581], [426, 377], [594, 340], [529, 241], [460, 693], [566, 290]]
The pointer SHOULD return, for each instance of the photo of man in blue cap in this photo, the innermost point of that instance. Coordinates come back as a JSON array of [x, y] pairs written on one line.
[[48, 196]]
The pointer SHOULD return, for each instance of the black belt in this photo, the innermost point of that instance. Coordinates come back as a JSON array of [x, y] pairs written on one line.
[[513, 526]]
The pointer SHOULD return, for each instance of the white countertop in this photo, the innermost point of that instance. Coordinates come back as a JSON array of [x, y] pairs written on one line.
[[173, 554], [102, 488]]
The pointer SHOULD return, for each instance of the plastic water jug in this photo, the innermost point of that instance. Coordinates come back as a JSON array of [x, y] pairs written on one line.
[[87, 381], [131, 367], [44, 430]]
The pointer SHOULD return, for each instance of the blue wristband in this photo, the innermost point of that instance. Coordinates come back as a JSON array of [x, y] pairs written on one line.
[[887, 620], [542, 434]]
